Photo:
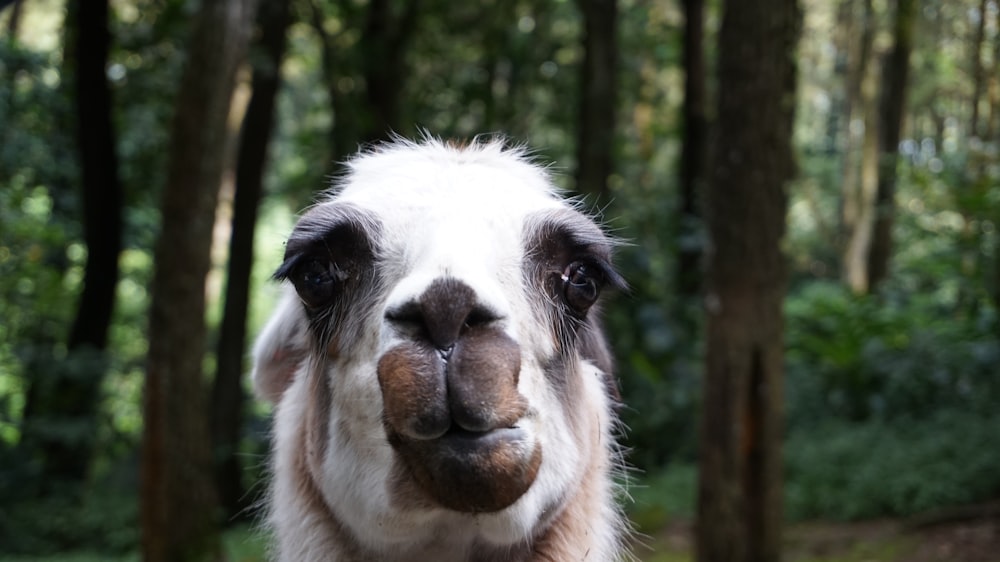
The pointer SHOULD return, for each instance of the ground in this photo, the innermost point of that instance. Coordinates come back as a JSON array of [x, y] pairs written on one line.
[[975, 540], [968, 539]]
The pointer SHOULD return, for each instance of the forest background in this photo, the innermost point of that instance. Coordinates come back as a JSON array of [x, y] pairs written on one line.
[[891, 329]]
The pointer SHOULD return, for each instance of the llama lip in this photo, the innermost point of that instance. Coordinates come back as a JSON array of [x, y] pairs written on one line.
[[476, 472], [463, 438]]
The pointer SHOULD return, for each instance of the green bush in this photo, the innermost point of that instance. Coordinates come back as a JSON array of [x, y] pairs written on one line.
[[864, 358], [844, 470], [848, 471], [664, 495], [104, 521]]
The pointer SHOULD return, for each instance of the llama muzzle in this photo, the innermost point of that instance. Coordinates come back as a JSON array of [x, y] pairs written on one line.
[[451, 404]]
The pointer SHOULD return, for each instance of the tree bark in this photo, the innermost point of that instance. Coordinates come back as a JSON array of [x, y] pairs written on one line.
[[14, 23], [179, 505], [977, 70], [598, 82], [67, 394], [893, 100], [102, 231], [993, 121], [344, 134], [369, 109], [993, 132], [739, 494], [226, 413], [856, 262], [859, 152], [384, 43], [694, 150]]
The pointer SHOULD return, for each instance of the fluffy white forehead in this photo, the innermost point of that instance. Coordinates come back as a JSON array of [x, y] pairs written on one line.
[[483, 178]]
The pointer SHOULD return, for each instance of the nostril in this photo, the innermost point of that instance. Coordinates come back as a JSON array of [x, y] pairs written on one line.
[[407, 314], [479, 316], [408, 320], [446, 352]]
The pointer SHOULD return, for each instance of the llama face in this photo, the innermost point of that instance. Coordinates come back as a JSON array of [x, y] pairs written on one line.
[[443, 342]]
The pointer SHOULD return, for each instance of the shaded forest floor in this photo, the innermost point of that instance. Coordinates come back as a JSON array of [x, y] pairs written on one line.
[[956, 539], [952, 540]]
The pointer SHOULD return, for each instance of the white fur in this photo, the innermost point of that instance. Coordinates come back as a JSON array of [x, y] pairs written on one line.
[[443, 211]]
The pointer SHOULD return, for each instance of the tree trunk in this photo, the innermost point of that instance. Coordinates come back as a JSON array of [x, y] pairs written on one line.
[[977, 70], [993, 132], [598, 81], [859, 148], [67, 394], [993, 121], [102, 230], [14, 23], [226, 413], [856, 263], [693, 153], [893, 100], [384, 41], [369, 108], [179, 506], [740, 487], [344, 135]]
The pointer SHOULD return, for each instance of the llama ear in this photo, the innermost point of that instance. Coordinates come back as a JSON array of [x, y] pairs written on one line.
[[280, 349]]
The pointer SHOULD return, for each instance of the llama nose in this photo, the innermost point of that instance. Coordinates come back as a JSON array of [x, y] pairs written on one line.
[[442, 313]]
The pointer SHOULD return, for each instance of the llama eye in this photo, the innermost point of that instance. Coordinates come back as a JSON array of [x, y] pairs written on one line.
[[315, 281], [581, 285]]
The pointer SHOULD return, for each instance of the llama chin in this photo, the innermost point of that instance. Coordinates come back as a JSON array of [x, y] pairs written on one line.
[[442, 387]]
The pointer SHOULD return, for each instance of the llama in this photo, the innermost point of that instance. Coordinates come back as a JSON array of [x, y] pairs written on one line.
[[442, 388]]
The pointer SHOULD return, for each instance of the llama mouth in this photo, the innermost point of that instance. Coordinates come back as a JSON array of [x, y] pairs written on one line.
[[463, 446], [473, 472], [456, 431], [455, 424]]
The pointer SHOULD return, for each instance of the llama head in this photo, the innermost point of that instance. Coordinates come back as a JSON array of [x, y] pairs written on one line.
[[440, 321]]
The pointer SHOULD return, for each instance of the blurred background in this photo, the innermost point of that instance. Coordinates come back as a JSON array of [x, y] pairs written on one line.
[[891, 432]]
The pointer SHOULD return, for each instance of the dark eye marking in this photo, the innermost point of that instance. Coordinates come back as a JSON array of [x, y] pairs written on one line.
[[317, 280], [582, 284], [328, 253]]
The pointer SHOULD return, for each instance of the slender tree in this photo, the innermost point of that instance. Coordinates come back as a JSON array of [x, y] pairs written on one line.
[[893, 99], [977, 69], [102, 226], [179, 513], [365, 78], [856, 263], [993, 132], [386, 34], [694, 150], [14, 23], [740, 487], [339, 71], [67, 394], [993, 120], [226, 413], [598, 81], [858, 169]]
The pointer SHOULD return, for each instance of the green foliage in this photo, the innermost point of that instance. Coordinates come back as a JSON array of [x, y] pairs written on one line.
[[845, 470], [865, 357], [660, 497], [105, 521], [240, 543], [39, 259]]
